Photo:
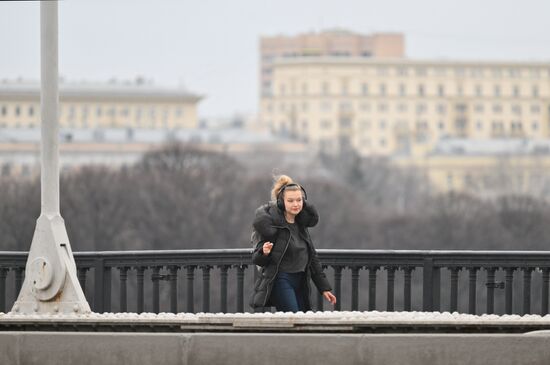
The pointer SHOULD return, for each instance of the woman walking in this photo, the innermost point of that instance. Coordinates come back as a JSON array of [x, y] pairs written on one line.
[[285, 252]]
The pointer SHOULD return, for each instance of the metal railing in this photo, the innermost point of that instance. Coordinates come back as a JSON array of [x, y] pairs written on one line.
[[465, 281]]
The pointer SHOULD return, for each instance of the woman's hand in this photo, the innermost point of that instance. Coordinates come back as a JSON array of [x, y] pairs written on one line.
[[330, 297], [267, 248]]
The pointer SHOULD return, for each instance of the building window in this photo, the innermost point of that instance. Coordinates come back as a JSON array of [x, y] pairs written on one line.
[[31, 111], [479, 90], [326, 124], [496, 90], [515, 91], [365, 124], [535, 109], [17, 110], [71, 113], [365, 89], [441, 109], [344, 87], [516, 127], [535, 91], [402, 90], [346, 106], [461, 108], [325, 106], [4, 110], [382, 89], [402, 107], [441, 126], [535, 126], [516, 109], [479, 125], [98, 111], [421, 71], [326, 88], [382, 124], [421, 108], [440, 90], [382, 107], [497, 108], [6, 169], [345, 122], [479, 108], [365, 107], [421, 91]]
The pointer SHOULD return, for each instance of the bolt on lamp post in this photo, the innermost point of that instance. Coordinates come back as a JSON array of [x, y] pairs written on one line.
[[51, 284]]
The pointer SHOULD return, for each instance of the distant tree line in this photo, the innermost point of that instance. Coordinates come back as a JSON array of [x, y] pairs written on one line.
[[180, 197]]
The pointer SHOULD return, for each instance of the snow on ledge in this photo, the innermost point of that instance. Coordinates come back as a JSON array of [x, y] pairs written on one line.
[[327, 317]]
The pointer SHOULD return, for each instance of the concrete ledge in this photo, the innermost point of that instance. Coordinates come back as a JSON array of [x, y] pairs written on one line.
[[83, 348]]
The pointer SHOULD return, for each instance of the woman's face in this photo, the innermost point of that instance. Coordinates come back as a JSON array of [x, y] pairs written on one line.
[[293, 201]]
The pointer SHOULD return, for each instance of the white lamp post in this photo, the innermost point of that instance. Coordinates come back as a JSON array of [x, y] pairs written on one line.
[[51, 284]]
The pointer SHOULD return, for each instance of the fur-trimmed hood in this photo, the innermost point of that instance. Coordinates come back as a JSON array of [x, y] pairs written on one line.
[[268, 218]]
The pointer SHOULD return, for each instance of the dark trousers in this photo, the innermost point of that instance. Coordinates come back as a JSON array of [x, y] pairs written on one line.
[[289, 292]]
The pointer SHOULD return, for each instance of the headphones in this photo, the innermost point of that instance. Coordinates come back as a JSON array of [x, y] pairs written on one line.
[[281, 203]]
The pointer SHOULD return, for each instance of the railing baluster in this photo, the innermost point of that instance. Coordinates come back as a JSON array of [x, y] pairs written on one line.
[[190, 287], [99, 281], [545, 281], [472, 281], [490, 289], [206, 288], [509, 289], [3, 275], [338, 286], [223, 288], [81, 273], [407, 271], [18, 280], [372, 287], [427, 287], [527, 271], [140, 297], [355, 287], [390, 288], [123, 288], [454, 288], [173, 278], [155, 278], [107, 289], [240, 288]]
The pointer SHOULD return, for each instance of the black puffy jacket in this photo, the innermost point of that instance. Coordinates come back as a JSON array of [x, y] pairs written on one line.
[[270, 226]]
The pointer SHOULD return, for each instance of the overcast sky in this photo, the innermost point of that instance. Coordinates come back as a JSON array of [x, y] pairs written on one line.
[[211, 47]]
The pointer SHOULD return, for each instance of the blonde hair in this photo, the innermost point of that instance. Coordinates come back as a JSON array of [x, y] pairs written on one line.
[[279, 183]]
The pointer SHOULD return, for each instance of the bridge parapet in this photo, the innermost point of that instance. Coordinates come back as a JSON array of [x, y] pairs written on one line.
[[472, 282]]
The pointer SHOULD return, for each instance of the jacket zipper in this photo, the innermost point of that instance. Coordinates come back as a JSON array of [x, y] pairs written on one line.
[[278, 263]]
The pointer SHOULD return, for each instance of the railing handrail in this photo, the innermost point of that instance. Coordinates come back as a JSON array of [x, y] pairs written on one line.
[[324, 251]]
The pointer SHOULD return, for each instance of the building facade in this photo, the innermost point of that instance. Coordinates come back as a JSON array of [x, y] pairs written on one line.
[[110, 105], [405, 110], [393, 107]]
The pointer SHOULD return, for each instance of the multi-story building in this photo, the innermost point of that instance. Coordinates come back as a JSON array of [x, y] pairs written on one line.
[[416, 113], [110, 105], [389, 107], [335, 43]]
